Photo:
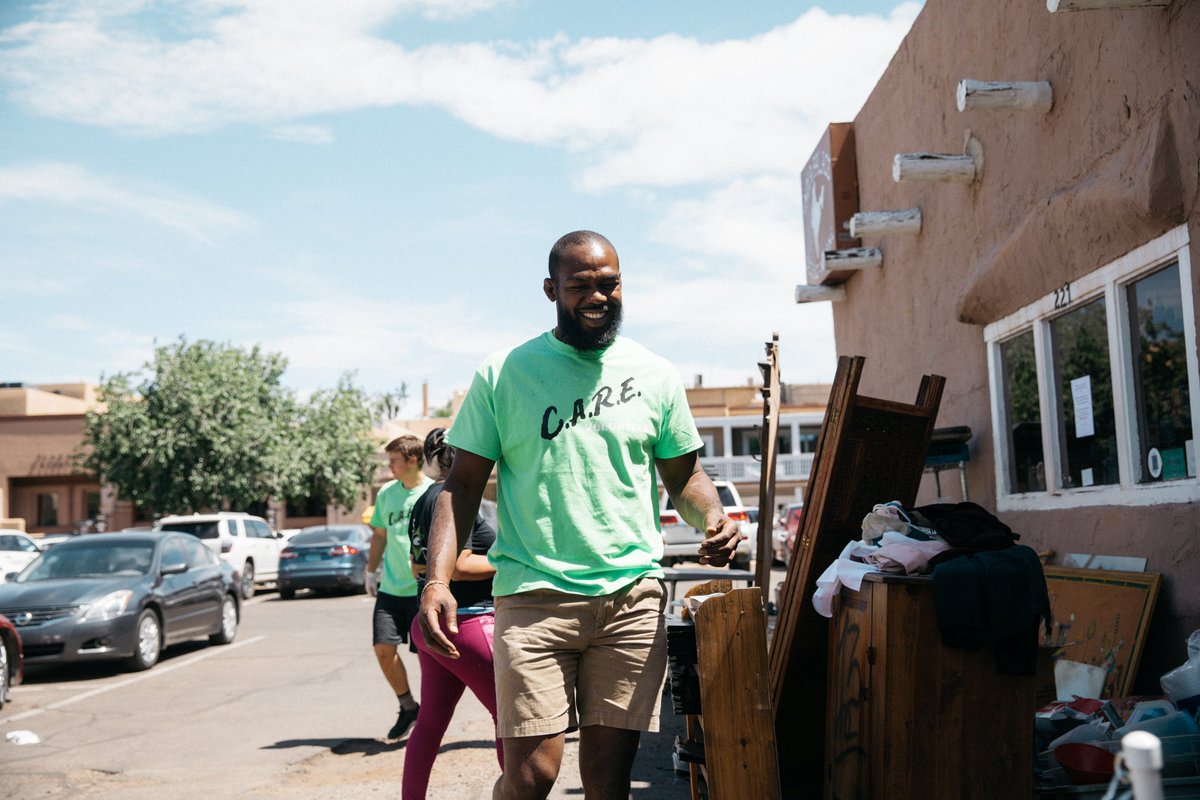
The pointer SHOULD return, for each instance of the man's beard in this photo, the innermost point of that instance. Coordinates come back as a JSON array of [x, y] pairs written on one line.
[[574, 334]]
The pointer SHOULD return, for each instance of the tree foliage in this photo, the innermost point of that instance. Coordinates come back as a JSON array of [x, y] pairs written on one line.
[[210, 426]]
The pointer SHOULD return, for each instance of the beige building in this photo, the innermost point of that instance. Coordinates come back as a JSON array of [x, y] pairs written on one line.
[[730, 420], [41, 489], [1028, 208]]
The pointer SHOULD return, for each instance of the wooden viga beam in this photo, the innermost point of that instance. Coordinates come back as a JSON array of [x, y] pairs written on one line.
[[933, 167], [820, 294], [852, 258], [875, 223], [1000, 95], [1092, 5]]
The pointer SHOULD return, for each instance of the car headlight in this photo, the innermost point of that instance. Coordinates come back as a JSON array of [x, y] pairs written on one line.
[[111, 605]]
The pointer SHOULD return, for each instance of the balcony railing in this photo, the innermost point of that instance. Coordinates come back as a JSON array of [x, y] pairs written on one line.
[[790, 467]]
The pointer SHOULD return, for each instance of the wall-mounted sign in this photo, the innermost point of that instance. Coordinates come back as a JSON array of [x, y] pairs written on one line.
[[829, 184]]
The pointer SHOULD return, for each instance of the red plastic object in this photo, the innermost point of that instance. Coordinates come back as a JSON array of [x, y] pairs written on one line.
[[1085, 763]]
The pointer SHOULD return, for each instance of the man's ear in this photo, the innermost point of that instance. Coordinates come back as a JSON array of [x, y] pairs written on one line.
[[548, 288]]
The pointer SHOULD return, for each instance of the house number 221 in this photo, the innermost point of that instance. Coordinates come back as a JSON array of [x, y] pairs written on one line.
[[1062, 296]]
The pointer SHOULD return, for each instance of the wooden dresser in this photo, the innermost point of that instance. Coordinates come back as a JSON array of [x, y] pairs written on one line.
[[910, 718]]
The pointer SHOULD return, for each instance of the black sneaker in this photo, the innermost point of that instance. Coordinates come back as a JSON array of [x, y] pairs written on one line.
[[403, 722]]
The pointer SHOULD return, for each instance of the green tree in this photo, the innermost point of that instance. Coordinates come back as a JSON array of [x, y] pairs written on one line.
[[208, 426], [332, 449]]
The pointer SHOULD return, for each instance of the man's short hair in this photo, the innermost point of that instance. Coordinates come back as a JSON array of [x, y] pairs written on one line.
[[570, 241], [407, 445]]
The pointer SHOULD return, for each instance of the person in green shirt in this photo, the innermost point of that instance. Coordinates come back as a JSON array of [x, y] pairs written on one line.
[[575, 421], [396, 591]]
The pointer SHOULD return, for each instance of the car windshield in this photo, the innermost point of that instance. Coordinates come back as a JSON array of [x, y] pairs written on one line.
[[324, 536], [201, 530], [101, 560], [17, 543]]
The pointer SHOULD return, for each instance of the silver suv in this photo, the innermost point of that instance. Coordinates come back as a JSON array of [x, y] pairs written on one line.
[[681, 542], [243, 541]]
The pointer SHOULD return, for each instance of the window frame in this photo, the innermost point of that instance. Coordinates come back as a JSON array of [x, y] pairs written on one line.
[[1110, 281]]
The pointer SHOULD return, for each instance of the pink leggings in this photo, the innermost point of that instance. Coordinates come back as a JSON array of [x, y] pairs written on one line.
[[442, 683]]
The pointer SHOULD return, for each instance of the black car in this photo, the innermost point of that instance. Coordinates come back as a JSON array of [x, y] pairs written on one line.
[[325, 557], [120, 596]]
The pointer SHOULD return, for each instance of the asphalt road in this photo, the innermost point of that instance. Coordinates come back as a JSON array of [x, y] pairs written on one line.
[[295, 707]]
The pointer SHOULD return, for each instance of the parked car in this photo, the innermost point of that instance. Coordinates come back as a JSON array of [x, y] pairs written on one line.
[[681, 542], [245, 542], [11, 658], [121, 596], [16, 550], [789, 525], [325, 557]]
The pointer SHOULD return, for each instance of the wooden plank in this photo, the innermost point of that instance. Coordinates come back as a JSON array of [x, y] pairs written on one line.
[[870, 451], [766, 486], [731, 653]]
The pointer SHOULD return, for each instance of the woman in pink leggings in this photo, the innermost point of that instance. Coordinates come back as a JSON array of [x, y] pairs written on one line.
[[443, 679]]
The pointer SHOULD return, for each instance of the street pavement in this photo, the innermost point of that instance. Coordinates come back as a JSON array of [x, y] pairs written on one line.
[[295, 707]]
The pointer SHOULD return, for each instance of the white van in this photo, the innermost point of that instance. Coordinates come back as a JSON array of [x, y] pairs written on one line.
[[243, 541]]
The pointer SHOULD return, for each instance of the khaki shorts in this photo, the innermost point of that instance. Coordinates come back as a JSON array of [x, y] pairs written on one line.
[[565, 660]]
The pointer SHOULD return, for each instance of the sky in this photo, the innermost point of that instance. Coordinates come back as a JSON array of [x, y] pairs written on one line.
[[372, 186]]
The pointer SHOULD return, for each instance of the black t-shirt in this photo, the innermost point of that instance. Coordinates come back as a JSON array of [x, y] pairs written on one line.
[[466, 593]]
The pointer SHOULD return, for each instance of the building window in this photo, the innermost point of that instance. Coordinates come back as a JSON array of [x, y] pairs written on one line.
[[47, 509], [1084, 403], [1160, 377], [1094, 387], [808, 439]]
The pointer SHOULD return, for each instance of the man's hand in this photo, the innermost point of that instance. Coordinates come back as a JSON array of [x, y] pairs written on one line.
[[438, 606], [372, 582], [722, 536]]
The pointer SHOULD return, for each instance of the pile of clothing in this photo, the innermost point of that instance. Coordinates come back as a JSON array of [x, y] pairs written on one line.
[[988, 590]]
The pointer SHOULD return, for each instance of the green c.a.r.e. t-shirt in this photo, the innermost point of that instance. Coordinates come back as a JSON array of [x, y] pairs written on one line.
[[575, 435], [393, 507]]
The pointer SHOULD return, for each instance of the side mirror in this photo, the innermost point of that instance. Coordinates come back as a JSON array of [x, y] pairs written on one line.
[[278, 535], [9, 577], [174, 569]]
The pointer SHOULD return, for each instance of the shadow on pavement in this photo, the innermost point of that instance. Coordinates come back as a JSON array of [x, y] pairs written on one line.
[[341, 747]]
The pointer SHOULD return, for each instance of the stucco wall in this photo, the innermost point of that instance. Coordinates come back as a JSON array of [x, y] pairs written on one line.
[[1114, 164]]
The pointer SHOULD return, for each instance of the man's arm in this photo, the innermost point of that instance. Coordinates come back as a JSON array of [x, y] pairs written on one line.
[[696, 499], [378, 545], [453, 519]]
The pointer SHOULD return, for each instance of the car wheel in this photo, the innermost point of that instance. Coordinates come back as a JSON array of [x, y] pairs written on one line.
[[247, 587], [149, 641], [3, 673], [229, 622], [287, 594]]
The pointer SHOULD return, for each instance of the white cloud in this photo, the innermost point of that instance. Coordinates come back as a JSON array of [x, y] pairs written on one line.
[[71, 185], [664, 111], [17, 284], [302, 134]]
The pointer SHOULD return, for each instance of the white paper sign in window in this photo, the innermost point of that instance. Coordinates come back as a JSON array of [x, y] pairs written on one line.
[[1081, 395]]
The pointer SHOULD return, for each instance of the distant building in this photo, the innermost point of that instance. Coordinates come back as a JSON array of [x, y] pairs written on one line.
[[41, 489], [730, 422]]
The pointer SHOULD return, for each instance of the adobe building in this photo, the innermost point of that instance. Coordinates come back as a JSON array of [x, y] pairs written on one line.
[[41, 488], [1017, 208]]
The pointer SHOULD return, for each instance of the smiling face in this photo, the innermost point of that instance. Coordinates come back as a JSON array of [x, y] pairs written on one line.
[[586, 290]]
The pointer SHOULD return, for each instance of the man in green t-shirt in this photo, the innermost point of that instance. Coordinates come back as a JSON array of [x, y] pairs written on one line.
[[396, 592], [575, 421]]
